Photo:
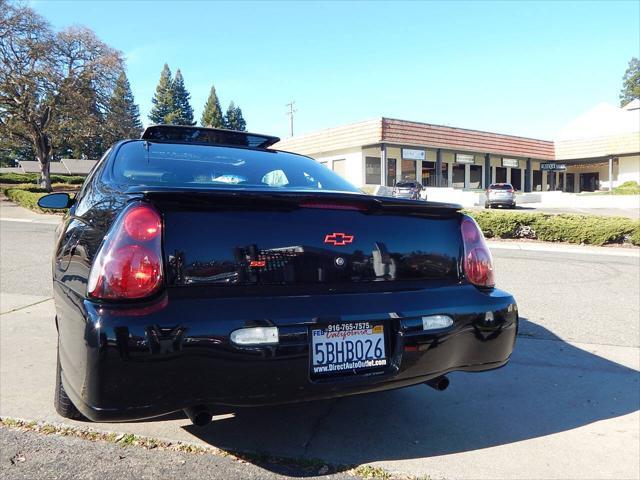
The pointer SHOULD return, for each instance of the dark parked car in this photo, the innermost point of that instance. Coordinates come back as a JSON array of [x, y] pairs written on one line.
[[407, 189], [198, 268], [500, 194]]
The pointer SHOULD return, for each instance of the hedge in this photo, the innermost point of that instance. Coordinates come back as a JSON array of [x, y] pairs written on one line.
[[26, 198], [16, 178], [571, 228], [627, 188]]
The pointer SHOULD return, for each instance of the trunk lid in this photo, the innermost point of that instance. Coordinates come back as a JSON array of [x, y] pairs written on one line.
[[221, 239]]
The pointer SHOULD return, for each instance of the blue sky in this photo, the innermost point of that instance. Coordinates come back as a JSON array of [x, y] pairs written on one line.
[[525, 68]]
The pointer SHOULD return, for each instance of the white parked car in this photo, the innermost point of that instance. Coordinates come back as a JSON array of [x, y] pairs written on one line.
[[500, 194]]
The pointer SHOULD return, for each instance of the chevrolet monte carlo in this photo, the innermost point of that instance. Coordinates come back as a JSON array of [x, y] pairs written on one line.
[[198, 268]]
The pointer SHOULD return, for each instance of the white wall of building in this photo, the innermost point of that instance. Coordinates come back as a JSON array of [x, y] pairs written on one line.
[[628, 169], [353, 161]]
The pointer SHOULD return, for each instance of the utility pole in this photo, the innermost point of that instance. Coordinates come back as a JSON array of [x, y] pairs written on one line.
[[290, 113]]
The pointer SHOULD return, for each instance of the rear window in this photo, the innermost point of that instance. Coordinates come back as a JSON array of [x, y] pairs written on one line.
[[199, 166], [501, 186], [407, 185]]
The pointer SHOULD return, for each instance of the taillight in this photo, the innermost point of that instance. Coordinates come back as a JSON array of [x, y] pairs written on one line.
[[129, 264], [478, 263]]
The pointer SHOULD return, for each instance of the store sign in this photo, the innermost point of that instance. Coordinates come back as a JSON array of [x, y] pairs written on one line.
[[554, 167], [511, 162], [464, 158], [413, 154]]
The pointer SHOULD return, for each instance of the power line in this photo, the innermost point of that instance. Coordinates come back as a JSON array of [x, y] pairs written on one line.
[[290, 113]]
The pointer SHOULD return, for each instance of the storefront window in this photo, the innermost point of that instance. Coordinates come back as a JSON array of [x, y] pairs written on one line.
[[458, 176], [429, 174], [516, 178], [475, 176], [501, 175], [570, 182], [391, 172], [409, 170], [445, 175], [537, 181], [373, 171]]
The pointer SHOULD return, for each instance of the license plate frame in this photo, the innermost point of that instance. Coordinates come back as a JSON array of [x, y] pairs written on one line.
[[351, 338]]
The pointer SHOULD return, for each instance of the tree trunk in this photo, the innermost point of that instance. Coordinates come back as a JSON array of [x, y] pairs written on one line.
[[43, 154]]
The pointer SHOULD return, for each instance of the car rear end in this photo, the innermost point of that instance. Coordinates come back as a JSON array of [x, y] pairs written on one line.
[[501, 194], [409, 190], [203, 296]]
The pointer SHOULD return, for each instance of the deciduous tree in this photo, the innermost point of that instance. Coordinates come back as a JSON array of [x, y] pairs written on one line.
[[45, 76]]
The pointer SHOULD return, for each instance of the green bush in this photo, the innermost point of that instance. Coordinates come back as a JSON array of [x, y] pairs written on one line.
[[17, 178], [26, 198], [587, 229], [627, 188], [29, 187]]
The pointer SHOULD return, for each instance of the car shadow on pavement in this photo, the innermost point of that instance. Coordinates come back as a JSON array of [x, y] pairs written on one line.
[[548, 387]]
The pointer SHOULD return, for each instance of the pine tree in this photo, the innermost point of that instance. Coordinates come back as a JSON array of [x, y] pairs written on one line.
[[230, 116], [233, 119], [123, 116], [212, 115], [183, 114], [630, 82], [241, 125], [164, 102]]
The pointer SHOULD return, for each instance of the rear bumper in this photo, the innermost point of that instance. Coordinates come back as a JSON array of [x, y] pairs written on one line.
[[501, 201], [147, 364]]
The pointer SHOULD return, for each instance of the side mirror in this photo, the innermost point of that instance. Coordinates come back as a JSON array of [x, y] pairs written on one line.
[[56, 201]]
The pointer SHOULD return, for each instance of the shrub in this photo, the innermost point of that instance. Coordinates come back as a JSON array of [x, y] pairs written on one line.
[[18, 178], [26, 198], [587, 229], [627, 188]]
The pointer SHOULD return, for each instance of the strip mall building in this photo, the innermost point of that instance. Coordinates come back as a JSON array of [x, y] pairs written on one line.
[[598, 150]]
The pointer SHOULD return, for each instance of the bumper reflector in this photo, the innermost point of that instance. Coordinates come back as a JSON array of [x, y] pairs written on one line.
[[436, 322], [255, 336]]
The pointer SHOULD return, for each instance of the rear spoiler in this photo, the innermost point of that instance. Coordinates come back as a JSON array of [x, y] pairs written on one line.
[[207, 136], [254, 199]]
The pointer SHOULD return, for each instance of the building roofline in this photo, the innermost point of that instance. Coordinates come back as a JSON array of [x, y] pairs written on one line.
[[468, 129]]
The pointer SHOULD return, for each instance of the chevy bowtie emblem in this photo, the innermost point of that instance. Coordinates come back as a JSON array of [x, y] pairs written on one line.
[[338, 239]]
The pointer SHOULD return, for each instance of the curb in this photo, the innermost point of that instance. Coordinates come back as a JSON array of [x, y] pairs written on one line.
[[31, 220], [563, 248]]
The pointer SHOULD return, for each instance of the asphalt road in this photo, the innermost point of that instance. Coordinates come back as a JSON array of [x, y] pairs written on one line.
[[565, 407], [26, 455]]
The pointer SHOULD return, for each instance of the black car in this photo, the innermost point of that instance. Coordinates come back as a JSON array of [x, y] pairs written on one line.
[[198, 268]]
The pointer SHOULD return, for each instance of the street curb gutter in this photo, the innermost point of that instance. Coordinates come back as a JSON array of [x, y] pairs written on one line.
[[564, 248]]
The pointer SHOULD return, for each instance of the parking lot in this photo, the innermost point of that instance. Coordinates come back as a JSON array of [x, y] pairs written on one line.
[[565, 407]]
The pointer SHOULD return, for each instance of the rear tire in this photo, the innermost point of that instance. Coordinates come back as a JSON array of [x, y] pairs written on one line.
[[61, 400]]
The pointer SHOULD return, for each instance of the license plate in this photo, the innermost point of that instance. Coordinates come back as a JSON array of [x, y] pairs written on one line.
[[345, 348]]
